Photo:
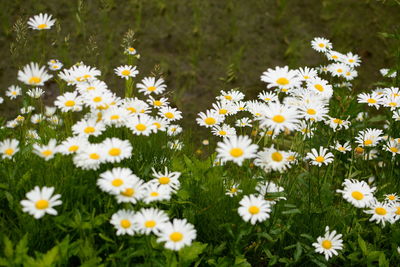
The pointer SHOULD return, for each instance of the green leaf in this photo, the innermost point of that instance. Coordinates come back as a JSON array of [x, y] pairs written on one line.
[[106, 238], [21, 250], [293, 211], [8, 247], [363, 245], [241, 261], [50, 257], [383, 261], [297, 252], [191, 253]]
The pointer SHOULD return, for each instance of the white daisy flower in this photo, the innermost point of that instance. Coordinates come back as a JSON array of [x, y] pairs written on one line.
[[49, 111], [126, 71], [37, 118], [130, 50], [150, 220], [93, 85], [135, 106], [315, 111], [154, 192], [73, 145], [90, 158], [116, 180], [48, 151], [329, 244], [373, 100], [177, 234], [175, 145], [321, 44], [236, 149], [224, 108], [268, 189], [171, 114], [223, 130], [381, 213], [79, 73], [158, 103], [254, 209], [41, 22], [342, 148], [351, 59], [338, 69], [123, 221], [358, 193], [393, 147], [133, 193], [278, 117], [337, 124], [320, 87], [116, 116], [88, 128], [31, 74], [268, 97], [35, 92], [209, 119], [167, 179], [233, 190], [369, 137], [231, 96], [321, 157], [283, 78], [116, 149], [142, 124], [243, 122], [69, 101], [150, 85], [13, 91], [271, 159], [8, 148], [41, 201], [174, 130]]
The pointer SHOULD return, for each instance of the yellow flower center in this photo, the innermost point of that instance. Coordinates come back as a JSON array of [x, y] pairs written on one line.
[[338, 121], [128, 192], [141, 127], [339, 70], [94, 156], [320, 159], [371, 101], [341, 148], [380, 211], [89, 130], [150, 224], [321, 45], [176, 236], [34, 80], [157, 124], [228, 97], [391, 197], [163, 180], [73, 148], [278, 118], [14, 93], [125, 72], [97, 99], [368, 142], [254, 210], [393, 104], [42, 26], [357, 195], [233, 190], [326, 244], [236, 152], [9, 151], [319, 87], [114, 117], [131, 49], [42, 204], [115, 151], [117, 182], [151, 88], [125, 223], [394, 149], [131, 109], [398, 210], [282, 81], [47, 153], [276, 156], [223, 111], [154, 194], [210, 121], [222, 132], [157, 103], [169, 115], [351, 60], [311, 111], [359, 150], [69, 103]]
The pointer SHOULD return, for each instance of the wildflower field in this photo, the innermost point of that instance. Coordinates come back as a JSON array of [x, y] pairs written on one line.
[[101, 166]]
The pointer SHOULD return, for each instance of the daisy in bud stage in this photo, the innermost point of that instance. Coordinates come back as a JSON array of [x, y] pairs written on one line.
[[321, 157], [41, 22], [116, 181], [177, 234], [167, 179], [123, 221], [175, 145], [283, 78], [126, 71], [31, 74], [329, 244], [369, 137], [150, 85], [209, 119], [150, 220], [236, 149], [254, 209], [321, 44], [54, 64], [48, 151], [116, 149], [41, 201], [381, 212], [130, 50], [358, 193], [8, 148], [13, 91], [342, 148]]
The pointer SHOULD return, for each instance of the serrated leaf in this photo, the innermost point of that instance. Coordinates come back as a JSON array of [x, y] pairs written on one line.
[[192, 252], [8, 247], [50, 257], [363, 245], [298, 251]]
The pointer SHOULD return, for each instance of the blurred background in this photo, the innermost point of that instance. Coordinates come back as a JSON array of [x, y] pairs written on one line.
[[202, 46]]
